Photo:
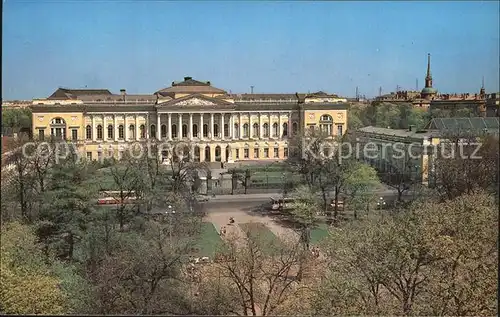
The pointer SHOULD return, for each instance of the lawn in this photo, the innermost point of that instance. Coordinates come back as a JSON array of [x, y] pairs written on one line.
[[266, 236], [319, 233], [209, 240]]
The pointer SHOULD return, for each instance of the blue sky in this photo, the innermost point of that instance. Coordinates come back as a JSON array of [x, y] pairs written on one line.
[[275, 46]]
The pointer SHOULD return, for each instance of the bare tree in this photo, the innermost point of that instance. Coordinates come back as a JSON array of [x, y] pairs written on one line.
[[262, 274]]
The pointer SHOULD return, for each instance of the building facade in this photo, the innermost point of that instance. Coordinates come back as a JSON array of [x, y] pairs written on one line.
[[217, 126], [396, 150]]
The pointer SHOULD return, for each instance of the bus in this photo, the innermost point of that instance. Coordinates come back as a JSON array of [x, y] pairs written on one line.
[[113, 197]]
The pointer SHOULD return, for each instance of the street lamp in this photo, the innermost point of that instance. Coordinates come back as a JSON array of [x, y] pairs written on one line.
[[381, 203]]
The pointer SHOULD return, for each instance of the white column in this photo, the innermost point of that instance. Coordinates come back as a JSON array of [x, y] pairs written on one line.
[[240, 125], [179, 128], [269, 125], [250, 126], [289, 132], [158, 126], [170, 126], [232, 126], [260, 126], [212, 126], [125, 127], [280, 128], [94, 132], [201, 130], [137, 136], [191, 126], [148, 124], [115, 128], [222, 125]]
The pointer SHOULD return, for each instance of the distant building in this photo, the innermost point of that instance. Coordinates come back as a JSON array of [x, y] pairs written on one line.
[[386, 142], [429, 98], [492, 105], [16, 104]]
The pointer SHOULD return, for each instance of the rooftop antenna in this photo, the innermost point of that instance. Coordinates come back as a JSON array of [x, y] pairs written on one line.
[[251, 89], [357, 92], [416, 84], [482, 83], [380, 91]]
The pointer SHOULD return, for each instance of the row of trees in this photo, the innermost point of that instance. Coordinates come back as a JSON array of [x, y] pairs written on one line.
[[16, 120], [397, 115]]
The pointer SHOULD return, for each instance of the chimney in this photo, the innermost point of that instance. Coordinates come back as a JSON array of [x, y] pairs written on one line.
[[187, 78], [123, 92]]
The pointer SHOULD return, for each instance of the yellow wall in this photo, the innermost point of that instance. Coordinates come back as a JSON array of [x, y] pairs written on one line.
[[314, 116], [72, 119]]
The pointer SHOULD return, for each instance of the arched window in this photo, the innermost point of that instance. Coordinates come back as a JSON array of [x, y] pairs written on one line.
[[295, 128], [236, 130], [163, 131], [99, 132], [275, 130], [255, 132], [110, 131], [266, 130], [142, 131], [326, 124], [245, 130], [88, 132], [131, 132], [216, 131], [226, 130], [285, 129], [326, 117], [184, 130], [120, 131], [174, 130], [195, 130], [205, 130], [152, 131]]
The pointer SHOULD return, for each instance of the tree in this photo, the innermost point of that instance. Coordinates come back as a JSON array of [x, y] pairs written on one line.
[[65, 205], [304, 212], [143, 275], [464, 164], [16, 119], [28, 285], [360, 186], [421, 261], [262, 274]]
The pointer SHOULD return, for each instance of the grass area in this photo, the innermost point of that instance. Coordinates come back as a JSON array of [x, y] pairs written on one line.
[[266, 236], [319, 233], [209, 240]]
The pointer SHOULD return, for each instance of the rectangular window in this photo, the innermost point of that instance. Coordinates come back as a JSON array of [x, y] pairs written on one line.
[[246, 153], [256, 153], [266, 153], [275, 152], [237, 153], [74, 134], [339, 129], [89, 156], [41, 134], [285, 152]]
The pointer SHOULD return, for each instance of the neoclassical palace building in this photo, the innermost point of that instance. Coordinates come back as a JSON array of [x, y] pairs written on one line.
[[220, 127]]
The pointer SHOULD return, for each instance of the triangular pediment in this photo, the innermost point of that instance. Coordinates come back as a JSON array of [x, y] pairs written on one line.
[[195, 101]]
